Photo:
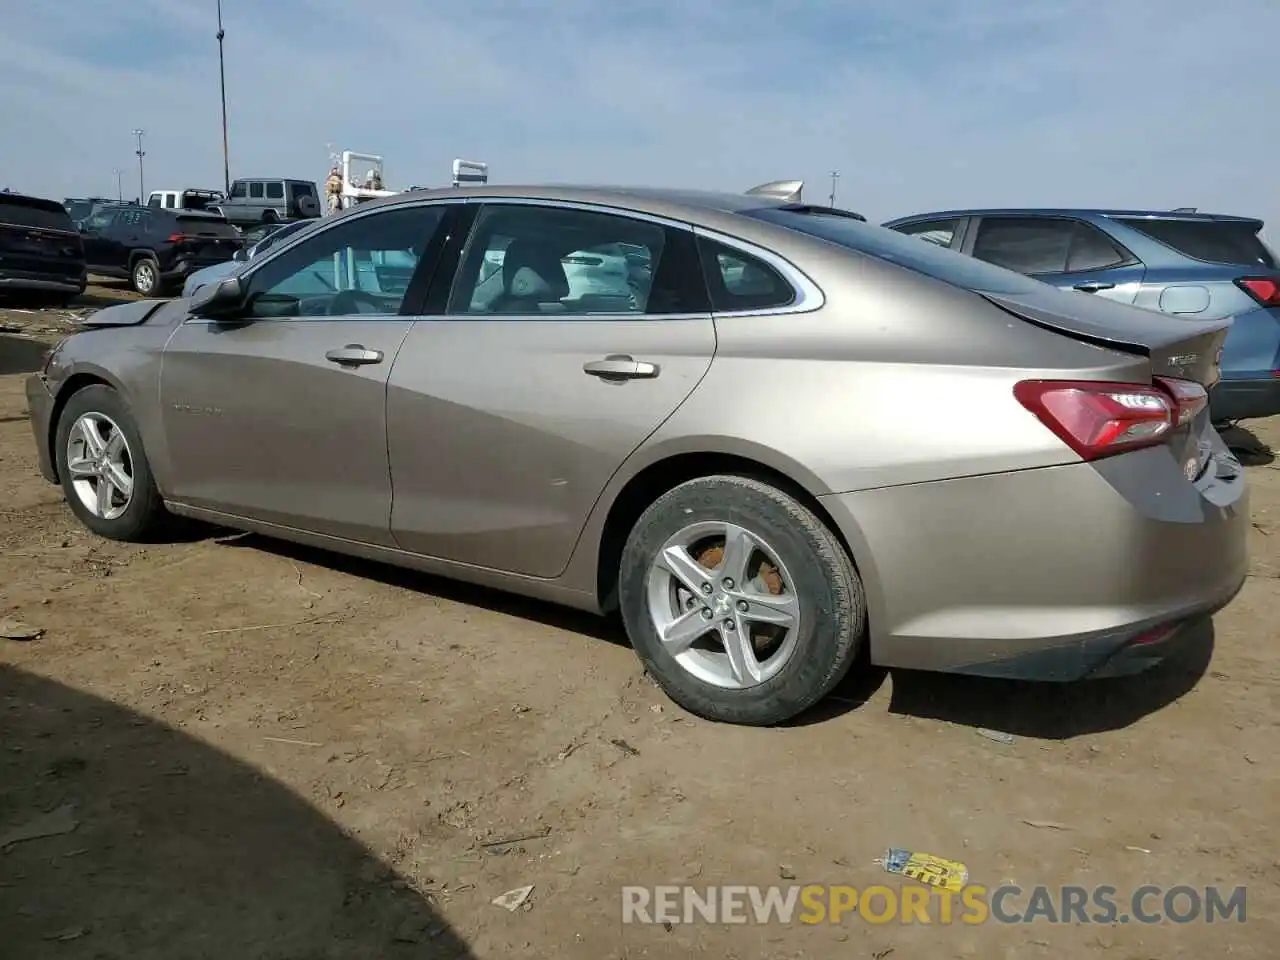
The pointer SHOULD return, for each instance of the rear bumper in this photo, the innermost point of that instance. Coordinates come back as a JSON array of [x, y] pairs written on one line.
[[40, 403], [1245, 399], [1047, 574]]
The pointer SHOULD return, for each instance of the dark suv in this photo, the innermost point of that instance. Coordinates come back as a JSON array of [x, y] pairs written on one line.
[[155, 248], [1186, 264], [40, 249], [266, 200]]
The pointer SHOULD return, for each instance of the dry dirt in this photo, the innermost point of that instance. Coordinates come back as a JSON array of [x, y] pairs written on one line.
[[277, 753]]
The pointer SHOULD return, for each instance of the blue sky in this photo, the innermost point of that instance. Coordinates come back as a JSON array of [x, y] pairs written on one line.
[[920, 104]]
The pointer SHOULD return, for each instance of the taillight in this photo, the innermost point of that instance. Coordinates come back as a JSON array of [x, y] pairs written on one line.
[[1262, 289], [1100, 419], [1189, 398], [178, 237]]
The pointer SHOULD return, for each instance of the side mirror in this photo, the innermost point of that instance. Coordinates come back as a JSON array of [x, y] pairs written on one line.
[[241, 255], [218, 299]]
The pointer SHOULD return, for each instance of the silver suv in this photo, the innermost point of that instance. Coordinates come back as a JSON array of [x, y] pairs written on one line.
[[254, 200]]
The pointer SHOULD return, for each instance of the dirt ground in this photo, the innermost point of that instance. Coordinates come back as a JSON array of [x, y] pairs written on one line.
[[271, 752]]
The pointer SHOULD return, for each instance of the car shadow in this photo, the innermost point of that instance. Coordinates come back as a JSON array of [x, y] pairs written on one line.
[[526, 608], [1244, 443], [1044, 711], [160, 846], [20, 354]]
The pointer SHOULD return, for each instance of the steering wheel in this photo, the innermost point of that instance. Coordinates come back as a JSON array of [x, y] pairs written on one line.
[[355, 301]]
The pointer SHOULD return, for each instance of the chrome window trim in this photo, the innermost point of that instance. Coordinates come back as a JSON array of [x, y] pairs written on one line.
[[809, 296]]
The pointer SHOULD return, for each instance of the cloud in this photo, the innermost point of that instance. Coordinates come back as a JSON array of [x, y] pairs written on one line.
[[921, 105]]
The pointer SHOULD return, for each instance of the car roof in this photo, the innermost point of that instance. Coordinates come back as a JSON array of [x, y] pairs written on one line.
[[1075, 212], [672, 203]]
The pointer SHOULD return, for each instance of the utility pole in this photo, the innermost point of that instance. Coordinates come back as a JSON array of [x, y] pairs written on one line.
[[142, 191], [222, 79], [119, 184], [835, 175]]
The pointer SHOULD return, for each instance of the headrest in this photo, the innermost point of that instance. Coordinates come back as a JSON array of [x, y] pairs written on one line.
[[532, 271]]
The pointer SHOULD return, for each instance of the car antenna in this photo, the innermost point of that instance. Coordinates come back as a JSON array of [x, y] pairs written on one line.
[[785, 190]]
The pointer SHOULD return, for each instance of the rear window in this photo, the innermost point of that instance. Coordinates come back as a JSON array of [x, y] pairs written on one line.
[[33, 212], [1214, 241], [302, 189], [210, 226], [901, 249]]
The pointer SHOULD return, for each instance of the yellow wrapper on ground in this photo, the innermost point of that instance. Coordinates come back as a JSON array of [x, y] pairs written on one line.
[[927, 869]]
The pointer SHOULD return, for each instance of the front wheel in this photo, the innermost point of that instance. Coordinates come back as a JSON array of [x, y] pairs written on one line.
[[740, 602], [103, 468]]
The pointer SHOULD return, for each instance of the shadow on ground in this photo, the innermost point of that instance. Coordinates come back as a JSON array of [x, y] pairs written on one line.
[[178, 850], [1249, 450], [20, 355], [564, 618]]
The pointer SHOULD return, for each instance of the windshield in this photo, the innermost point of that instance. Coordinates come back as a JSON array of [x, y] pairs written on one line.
[[905, 251]]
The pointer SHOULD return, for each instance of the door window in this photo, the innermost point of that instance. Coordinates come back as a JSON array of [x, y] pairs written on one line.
[[1091, 249], [1031, 245], [361, 266], [255, 191], [941, 232], [538, 259], [238, 190]]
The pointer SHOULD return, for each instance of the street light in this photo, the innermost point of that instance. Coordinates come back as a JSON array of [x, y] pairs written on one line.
[[142, 191], [222, 80], [835, 175]]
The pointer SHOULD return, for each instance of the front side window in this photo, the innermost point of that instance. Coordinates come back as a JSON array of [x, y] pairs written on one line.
[[275, 190], [533, 259], [361, 266]]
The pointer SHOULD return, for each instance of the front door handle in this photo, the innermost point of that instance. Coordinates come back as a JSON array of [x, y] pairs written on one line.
[[353, 355], [1093, 286], [621, 367]]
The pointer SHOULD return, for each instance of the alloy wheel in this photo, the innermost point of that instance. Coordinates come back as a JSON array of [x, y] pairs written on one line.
[[101, 465]]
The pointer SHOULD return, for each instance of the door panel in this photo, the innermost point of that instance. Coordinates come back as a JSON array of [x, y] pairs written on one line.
[[260, 424], [501, 443]]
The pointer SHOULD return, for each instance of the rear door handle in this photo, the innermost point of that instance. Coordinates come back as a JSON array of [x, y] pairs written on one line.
[[353, 355], [621, 367], [1093, 286]]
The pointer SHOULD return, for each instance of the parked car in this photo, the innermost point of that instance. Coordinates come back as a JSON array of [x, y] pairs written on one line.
[[155, 248], [188, 199], [257, 241], [1183, 263], [40, 249], [808, 436], [270, 200]]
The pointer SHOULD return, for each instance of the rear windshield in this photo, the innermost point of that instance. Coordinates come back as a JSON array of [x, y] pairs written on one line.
[[209, 226], [33, 212], [902, 249], [1214, 241]]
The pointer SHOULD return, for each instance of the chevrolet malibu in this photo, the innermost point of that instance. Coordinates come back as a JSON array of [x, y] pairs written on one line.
[[793, 439]]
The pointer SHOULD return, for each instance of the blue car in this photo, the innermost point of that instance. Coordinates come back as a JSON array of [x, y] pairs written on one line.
[[257, 241], [1187, 264]]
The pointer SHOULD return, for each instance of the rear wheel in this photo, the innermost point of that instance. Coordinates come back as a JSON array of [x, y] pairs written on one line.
[[103, 468], [270, 216], [145, 276], [741, 603]]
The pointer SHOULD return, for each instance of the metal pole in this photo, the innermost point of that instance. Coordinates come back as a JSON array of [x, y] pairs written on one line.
[[119, 184], [835, 175], [142, 190], [222, 80]]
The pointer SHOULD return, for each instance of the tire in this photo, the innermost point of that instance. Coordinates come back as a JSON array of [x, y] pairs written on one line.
[[144, 276], [143, 513], [270, 216], [806, 562]]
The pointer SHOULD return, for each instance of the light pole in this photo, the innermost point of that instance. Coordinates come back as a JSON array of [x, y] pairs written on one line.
[[835, 175], [119, 184], [222, 80], [142, 192]]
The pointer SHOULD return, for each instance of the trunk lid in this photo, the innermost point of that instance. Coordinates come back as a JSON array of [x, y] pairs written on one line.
[[1186, 349], [37, 237]]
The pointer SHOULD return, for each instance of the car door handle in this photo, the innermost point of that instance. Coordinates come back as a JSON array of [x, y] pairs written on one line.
[[353, 355], [1093, 286], [621, 367]]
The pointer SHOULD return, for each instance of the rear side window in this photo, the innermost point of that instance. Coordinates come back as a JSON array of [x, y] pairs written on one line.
[[1027, 244], [208, 226], [275, 191], [739, 281], [22, 211], [255, 191], [1214, 241], [941, 232], [1091, 249]]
